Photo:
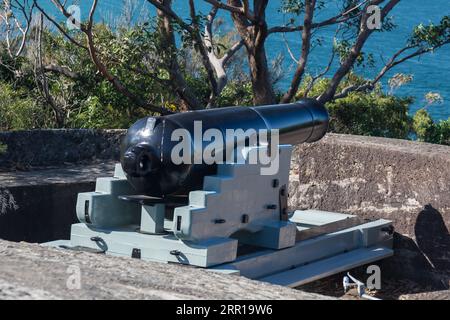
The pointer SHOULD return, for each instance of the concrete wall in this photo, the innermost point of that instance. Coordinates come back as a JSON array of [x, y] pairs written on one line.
[[403, 181], [406, 182], [27, 149], [39, 205]]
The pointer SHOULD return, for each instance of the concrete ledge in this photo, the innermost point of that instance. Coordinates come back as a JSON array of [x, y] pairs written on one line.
[[43, 148], [403, 181], [34, 272]]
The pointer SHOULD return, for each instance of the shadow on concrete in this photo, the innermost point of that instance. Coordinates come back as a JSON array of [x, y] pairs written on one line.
[[421, 266], [433, 240], [417, 267], [42, 213]]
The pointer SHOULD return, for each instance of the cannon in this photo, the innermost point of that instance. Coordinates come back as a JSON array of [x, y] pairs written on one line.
[[221, 212], [147, 147]]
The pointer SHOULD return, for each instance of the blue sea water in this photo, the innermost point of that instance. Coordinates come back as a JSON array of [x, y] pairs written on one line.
[[431, 72]]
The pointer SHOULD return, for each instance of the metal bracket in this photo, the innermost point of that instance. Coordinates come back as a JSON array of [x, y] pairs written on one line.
[[136, 253], [284, 216]]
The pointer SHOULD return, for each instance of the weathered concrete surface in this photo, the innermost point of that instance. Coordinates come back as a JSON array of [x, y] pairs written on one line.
[[43, 148], [403, 181], [63, 175], [34, 272], [39, 206], [406, 182]]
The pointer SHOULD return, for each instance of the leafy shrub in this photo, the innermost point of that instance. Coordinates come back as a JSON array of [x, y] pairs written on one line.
[[18, 111], [96, 115], [429, 131], [372, 114], [236, 93]]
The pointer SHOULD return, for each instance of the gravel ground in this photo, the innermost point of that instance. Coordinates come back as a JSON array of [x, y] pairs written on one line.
[[391, 288]]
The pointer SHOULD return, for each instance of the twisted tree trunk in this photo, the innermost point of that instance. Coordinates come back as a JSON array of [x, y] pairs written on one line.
[[254, 33]]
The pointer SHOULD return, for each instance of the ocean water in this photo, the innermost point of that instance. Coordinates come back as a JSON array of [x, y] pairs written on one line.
[[431, 72]]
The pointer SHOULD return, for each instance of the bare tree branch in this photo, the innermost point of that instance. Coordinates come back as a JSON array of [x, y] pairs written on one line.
[[219, 64], [325, 70], [17, 31], [61, 70], [306, 46], [393, 61], [203, 52], [87, 29], [341, 17], [242, 10], [60, 28], [42, 80], [349, 61], [232, 51]]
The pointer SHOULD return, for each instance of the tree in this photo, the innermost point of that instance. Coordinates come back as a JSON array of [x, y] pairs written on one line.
[[354, 24], [15, 24], [425, 128]]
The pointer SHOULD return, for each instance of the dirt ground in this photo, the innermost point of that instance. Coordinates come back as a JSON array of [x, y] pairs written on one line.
[[391, 288]]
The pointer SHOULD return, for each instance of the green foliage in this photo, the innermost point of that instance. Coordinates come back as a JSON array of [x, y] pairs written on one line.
[[372, 114], [96, 115], [90, 101], [297, 7], [443, 132], [429, 131], [3, 148], [342, 48], [236, 94], [431, 35], [423, 125], [18, 111]]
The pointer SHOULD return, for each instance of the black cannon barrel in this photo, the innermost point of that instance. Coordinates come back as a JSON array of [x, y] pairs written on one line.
[[147, 147]]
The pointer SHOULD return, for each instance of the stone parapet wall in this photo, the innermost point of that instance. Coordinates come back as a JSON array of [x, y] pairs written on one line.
[[43, 148], [403, 181]]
